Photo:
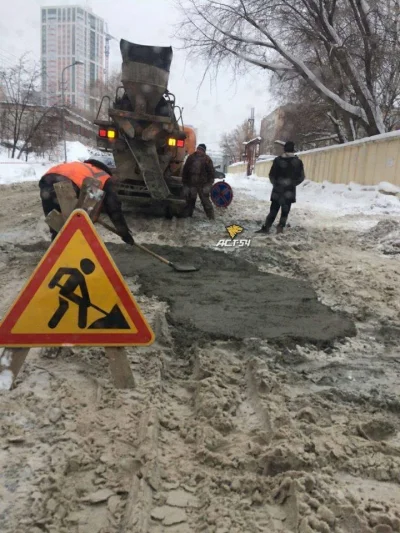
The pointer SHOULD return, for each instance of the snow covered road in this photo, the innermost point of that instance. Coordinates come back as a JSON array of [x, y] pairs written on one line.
[[218, 436]]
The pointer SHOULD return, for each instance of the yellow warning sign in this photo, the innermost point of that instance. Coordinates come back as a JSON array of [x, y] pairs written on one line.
[[76, 296]]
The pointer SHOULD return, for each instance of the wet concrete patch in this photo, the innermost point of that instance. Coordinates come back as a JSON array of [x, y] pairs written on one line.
[[228, 298]]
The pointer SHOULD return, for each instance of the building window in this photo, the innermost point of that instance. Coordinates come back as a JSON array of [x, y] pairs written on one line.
[[73, 39], [92, 72], [92, 45], [44, 11], [52, 14], [73, 77], [73, 14], [44, 79]]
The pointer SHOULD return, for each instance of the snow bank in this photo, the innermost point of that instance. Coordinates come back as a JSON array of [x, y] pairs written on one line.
[[16, 171], [327, 197], [347, 199], [76, 151], [259, 188], [389, 188]]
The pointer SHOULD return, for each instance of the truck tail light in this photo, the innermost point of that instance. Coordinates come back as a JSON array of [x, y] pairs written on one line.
[[107, 133]]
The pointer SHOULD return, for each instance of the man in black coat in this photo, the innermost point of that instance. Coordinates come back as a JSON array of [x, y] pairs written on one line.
[[286, 173]]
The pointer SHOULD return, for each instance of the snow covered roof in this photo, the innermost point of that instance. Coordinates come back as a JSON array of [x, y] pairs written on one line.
[[256, 139]]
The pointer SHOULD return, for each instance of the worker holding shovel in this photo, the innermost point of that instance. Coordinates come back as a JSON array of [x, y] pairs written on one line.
[[76, 281], [76, 172]]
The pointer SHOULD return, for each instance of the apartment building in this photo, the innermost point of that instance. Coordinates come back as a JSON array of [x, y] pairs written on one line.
[[69, 34]]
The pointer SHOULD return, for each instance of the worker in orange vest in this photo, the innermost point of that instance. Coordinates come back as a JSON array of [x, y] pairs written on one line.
[[76, 172]]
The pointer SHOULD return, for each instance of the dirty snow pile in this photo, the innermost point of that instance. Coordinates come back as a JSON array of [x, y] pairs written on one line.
[[19, 170], [340, 199], [385, 236]]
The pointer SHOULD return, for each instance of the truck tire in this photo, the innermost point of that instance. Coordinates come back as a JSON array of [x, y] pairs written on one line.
[[169, 214]]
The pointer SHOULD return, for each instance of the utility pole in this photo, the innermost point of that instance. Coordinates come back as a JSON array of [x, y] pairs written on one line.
[[250, 147], [251, 124], [63, 105]]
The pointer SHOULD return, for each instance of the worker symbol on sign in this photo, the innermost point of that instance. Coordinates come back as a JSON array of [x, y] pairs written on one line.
[[113, 319]]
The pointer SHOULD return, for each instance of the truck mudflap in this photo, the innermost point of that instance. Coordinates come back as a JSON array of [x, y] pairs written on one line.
[[145, 155]]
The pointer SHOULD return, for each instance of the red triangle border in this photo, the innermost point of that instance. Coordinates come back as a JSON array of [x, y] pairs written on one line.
[[78, 220]]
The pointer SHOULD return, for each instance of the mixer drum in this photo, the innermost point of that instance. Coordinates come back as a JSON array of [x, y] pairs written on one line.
[[145, 74]]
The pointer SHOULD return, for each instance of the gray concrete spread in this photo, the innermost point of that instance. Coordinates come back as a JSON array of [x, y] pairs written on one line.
[[229, 298]]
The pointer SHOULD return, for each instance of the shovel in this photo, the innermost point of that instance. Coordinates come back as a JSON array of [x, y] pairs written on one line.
[[178, 268], [113, 319]]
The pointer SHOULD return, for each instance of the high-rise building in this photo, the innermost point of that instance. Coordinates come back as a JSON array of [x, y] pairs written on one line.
[[72, 33]]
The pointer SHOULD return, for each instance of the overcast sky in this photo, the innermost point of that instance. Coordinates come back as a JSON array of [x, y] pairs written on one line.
[[215, 109]]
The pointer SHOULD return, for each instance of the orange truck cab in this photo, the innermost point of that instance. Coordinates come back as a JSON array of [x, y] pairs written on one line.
[[190, 142], [181, 152]]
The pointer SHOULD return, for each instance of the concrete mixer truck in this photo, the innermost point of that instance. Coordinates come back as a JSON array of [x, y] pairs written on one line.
[[144, 130]]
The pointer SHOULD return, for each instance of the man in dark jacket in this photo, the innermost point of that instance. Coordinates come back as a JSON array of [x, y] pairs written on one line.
[[286, 173], [76, 172], [198, 176]]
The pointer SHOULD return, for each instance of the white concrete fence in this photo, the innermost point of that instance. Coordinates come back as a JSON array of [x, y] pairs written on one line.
[[367, 161]]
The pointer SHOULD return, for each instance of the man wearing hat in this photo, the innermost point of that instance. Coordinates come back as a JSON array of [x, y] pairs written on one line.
[[286, 173], [198, 176]]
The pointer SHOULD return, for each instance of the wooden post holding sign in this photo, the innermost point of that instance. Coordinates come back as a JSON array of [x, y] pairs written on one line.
[[75, 297]]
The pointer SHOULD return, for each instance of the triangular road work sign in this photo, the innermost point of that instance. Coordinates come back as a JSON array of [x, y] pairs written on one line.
[[76, 297]]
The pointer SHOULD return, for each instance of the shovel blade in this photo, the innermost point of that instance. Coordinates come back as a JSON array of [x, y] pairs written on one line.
[[184, 268], [113, 320]]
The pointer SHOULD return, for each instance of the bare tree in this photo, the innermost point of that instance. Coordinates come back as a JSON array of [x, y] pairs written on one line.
[[45, 137], [308, 125], [308, 119], [346, 51], [232, 143], [100, 89], [23, 119], [114, 81]]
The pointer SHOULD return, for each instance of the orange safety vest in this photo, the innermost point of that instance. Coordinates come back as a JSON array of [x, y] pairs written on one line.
[[77, 172]]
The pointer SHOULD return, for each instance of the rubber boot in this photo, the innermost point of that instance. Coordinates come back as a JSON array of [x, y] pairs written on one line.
[[279, 230], [264, 229]]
